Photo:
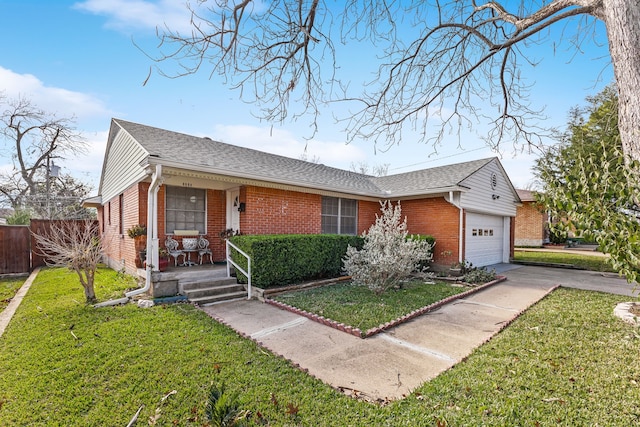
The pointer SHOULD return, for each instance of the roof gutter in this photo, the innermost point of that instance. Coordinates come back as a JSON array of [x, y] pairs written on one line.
[[152, 230], [451, 199]]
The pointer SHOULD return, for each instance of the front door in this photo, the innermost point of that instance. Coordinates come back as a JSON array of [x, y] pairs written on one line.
[[233, 203]]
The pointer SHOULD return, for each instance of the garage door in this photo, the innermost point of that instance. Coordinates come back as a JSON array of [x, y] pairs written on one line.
[[484, 240]]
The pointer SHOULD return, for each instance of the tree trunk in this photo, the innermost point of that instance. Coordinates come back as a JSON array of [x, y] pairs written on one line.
[[86, 280], [622, 18], [90, 294]]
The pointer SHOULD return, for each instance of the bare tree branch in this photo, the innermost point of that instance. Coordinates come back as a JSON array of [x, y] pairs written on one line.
[[445, 65]]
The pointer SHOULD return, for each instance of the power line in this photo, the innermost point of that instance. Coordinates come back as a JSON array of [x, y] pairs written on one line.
[[439, 158]]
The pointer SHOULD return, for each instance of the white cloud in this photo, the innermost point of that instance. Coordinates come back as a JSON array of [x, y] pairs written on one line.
[[62, 102], [284, 143], [136, 14]]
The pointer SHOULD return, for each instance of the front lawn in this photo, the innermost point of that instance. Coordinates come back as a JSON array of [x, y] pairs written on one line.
[[566, 361], [8, 289], [359, 307], [586, 261]]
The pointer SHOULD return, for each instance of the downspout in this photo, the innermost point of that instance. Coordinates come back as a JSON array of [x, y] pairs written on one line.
[[152, 230], [460, 226]]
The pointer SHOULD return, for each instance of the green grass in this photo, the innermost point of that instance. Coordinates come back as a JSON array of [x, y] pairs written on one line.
[[566, 361], [8, 289], [359, 307], [586, 261]]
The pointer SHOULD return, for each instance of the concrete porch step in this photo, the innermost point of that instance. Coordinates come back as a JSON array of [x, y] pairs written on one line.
[[191, 285], [213, 290], [214, 299]]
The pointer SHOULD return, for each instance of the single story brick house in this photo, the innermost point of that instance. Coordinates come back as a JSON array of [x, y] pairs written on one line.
[[172, 181], [531, 221]]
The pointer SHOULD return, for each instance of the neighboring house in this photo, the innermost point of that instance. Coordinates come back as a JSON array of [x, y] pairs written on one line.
[[531, 221], [171, 181]]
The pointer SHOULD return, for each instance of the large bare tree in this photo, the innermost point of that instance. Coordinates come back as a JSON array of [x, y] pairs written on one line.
[[34, 139], [432, 54]]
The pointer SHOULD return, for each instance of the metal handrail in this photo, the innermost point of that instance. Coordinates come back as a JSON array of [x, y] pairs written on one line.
[[230, 261]]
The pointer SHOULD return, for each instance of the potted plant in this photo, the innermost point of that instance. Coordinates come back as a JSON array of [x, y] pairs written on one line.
[[228, 233], [163, 259], [139, 235], [456, 269]]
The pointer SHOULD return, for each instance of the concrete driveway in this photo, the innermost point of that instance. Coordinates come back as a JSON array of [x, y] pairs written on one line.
[[393, 363]]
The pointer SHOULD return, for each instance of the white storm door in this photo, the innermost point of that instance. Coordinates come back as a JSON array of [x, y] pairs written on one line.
[[233, 203]]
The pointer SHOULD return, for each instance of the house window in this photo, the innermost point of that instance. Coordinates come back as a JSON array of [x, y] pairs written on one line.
[[339, 216], [121, 209], [185, 209]]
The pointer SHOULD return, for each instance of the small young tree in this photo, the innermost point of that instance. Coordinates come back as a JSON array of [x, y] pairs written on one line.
[[19, 217], [387, 256], [75, 245]]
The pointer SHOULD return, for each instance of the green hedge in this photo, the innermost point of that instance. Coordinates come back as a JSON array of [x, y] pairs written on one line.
[[292, 258], [424, 264]]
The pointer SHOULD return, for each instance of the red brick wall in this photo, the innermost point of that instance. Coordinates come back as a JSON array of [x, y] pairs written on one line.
[[529, 225], [119, 247], [434, 216], [273, 211], [367, 215], [438, 218], [216, 222]]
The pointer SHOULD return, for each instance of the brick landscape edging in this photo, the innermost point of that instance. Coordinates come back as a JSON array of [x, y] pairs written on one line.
[[373, 331]]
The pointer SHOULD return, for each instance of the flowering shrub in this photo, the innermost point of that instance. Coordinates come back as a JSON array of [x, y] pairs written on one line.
[[388, 255]]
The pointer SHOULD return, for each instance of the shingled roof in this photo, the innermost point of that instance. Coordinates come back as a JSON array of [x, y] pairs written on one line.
[[207, 155]]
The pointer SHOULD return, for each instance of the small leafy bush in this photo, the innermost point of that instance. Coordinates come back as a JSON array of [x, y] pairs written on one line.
[[387, 256], [557, 235], [478, 275]]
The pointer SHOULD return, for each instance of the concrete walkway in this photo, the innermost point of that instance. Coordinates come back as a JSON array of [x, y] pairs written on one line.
[[393, 363], [7, 314]]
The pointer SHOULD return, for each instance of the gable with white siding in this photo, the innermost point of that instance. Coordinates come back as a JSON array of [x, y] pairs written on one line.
[[489, 191], [121, 167]]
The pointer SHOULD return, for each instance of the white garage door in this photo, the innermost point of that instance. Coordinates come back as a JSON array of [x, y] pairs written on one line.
[[484, 240]]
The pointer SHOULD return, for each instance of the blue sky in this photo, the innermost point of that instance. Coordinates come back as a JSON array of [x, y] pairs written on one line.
[[78, 58]]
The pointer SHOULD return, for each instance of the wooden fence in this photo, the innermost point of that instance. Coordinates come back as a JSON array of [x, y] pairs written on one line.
[[15, 249], [18, 252]]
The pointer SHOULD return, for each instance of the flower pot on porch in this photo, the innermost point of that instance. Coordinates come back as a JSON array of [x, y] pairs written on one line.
[[140, 243], [141, 258], [163, 264]]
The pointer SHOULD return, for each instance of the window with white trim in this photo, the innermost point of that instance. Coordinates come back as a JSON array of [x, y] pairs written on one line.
[[339, 216], [185, 209]]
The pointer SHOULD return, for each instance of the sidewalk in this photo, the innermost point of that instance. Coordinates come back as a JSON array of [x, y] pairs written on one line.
[[393, 363], [7, 313]]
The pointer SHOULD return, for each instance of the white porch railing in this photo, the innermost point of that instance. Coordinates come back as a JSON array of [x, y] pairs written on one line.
[[230, 261]]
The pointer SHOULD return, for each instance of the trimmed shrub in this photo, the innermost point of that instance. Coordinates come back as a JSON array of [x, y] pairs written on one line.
[[423, 264], [284, 259]]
